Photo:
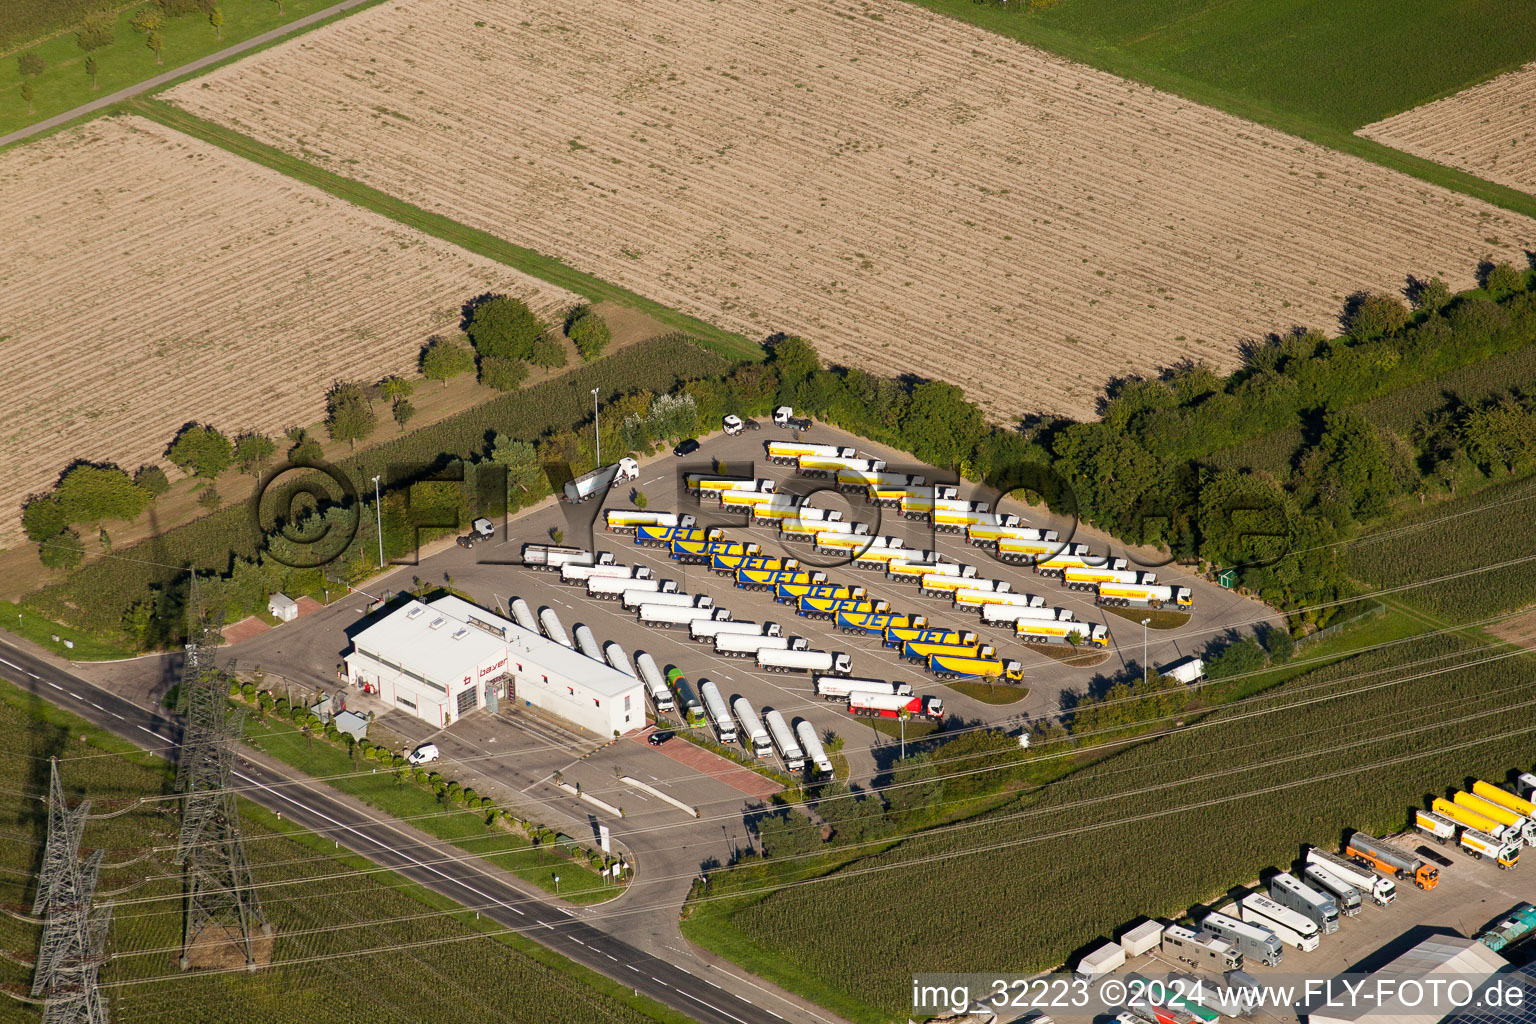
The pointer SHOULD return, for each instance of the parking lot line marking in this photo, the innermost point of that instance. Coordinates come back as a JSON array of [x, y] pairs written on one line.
[[56, 686]]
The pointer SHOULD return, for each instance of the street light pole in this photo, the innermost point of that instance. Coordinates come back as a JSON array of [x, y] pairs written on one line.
[[597, 436], [1144, 650], [378, 516]]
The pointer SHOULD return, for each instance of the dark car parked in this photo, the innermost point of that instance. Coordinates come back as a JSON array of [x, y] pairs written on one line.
[[656, 739], [687, 447]]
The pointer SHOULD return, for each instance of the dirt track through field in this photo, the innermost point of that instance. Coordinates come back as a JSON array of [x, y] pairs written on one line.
[[148, 279], [912, 194], [1488, 130]]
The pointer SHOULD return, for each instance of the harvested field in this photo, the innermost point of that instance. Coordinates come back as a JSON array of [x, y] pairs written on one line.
[[890, 183], [1488, 130], [1519, 630], [150, 279]]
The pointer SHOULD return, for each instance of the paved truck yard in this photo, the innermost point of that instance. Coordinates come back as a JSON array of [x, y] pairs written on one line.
[[490, 572], [1470, 895]]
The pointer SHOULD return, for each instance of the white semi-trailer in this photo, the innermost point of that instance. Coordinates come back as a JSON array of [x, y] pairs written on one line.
[[805, 732], [1291, 928], [626, 520], [596, 482], [705, 630], [551, 557], [655, 685], [719, 714], [1381, 891], [633, 599], [587, 643], [829, 662], [550, 623], [1319, 908], [993, 614], [611, 588], [670, 616], [784, 739], [523, 615], [754, 735], [1256, 942], [1345, 895], [840, 687], [746, 645], [616, 570]]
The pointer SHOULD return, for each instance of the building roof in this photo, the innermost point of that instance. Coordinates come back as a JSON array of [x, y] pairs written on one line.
[[352, 722], [1443, 956], [281, 600], [466, 634], [1525, 1013]]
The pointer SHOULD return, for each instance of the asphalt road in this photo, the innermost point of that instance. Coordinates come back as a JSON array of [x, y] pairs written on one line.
[[463, 879], [165, 78]]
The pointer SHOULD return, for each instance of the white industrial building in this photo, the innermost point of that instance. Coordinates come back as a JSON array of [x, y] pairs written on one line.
[[446, 659]]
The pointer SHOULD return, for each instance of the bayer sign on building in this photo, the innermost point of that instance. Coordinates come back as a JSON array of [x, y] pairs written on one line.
[[440, 661]]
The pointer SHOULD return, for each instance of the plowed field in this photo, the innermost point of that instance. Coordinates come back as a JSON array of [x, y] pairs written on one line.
[[1488, 130], [911, 193], [148, 279]]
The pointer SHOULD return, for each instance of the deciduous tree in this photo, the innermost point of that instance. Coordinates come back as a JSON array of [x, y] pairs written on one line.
[[27, 93], [156, 42], [41, 517], [348, 415], [201, 450], [216, 19], [96, 30], [64, 550], [253, 451], [504, 327], [403, 410], [88, 493], [501, 373], [393, 388], [443, 359], [91, 69], [30, 64], [147, 19], [151, 480], [547, 352], [588, 331]]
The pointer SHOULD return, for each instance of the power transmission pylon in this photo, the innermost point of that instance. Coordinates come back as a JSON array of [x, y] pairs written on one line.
[[219, 889], [74, 936]]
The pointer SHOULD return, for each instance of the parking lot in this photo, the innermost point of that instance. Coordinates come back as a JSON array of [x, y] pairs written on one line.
[[1469, 896], [491, 574]]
